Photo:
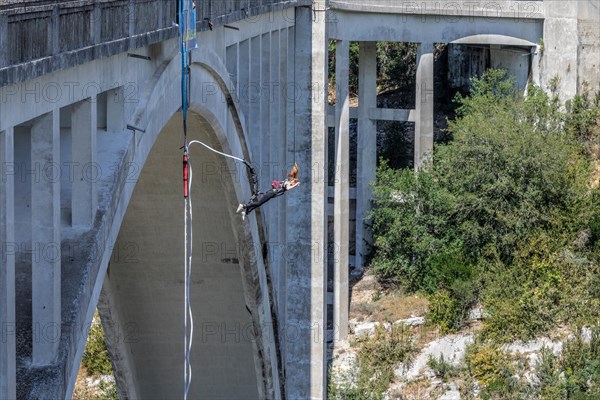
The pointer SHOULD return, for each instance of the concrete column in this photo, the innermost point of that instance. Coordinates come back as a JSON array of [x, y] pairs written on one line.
[[84, 200], [290, 155], [341, 224], [253, 93], [282, 152], [95, 26], [115, 110], [305, 358], [424, 106], [367, 145], [7, 267], [265, 117], [131, 18], [244, 80], [3, 40], [55, 30], [45, 237], [274, 144]]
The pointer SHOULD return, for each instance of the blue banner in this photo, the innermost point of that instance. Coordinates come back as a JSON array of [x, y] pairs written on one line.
[[188, 25]]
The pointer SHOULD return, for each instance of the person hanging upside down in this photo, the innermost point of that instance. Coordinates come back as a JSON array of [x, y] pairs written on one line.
[[278, 188]]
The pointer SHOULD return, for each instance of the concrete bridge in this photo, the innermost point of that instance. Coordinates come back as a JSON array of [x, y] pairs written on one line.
[[90, 199]]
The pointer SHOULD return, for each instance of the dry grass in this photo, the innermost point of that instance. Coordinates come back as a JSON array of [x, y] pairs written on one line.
[[370, 301]]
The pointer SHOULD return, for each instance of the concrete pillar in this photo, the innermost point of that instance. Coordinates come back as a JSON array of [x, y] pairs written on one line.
[[55, 30], [84, 200], [290, 156], [265, 117], [115, 110], [244, 80], [424, 106], [367, 145], [305, 358], [253, 93], [45, 237], [131, 18], [285, 117], [95, 25], [3, 40], [341, 221], [274, 143], [7, 267]]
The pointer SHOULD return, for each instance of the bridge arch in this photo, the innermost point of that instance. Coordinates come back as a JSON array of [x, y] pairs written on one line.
[[234, 334]]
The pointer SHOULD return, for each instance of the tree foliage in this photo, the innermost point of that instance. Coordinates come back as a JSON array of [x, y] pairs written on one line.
[[505, 215]]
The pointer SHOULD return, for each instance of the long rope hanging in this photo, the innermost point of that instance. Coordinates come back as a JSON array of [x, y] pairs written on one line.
[[187, 33]]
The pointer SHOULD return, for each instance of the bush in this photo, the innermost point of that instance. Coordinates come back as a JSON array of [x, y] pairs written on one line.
[[441, 368], [504, 215], [95, 356]]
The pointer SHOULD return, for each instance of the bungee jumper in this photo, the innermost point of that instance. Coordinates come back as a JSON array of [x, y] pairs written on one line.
[[278, 188]]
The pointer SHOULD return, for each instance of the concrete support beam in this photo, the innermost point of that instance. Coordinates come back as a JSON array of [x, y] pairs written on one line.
[[367, 144], [290, 157], [131, 17], [55, 30], [284, 121], [3, 40], [115, 110], [253, 93], [265, 114], [305, 358], [84, 199], [391, 114], [7, 267], [341, 217], [95, 18], [45, 237], [424, 106]]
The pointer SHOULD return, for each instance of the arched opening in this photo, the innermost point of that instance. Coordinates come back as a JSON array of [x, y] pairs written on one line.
[[143, 294]]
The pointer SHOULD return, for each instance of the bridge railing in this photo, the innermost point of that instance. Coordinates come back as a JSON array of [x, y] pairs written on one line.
[[81, 30]]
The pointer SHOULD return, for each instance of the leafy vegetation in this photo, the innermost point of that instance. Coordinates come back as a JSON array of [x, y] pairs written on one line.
[[95, 356], [506, 215], [96, 363]]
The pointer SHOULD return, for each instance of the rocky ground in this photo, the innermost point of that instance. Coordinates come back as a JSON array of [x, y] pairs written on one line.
[[371, 307]]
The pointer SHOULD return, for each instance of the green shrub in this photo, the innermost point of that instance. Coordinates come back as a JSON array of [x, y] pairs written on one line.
[[505, 215], [95, 356], [441, 368]]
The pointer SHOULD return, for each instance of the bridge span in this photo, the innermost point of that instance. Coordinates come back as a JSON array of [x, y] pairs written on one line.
[[90, 200]]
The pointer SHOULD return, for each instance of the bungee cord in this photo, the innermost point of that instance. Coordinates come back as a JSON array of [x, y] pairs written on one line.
[[187, 31]]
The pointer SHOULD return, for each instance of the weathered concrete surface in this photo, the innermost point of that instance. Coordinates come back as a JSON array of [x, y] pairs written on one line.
[[7, 268], [45, 235], [40, 37], [424, 106], [305, 363], [571, 56], [341, 217], [367, 145]]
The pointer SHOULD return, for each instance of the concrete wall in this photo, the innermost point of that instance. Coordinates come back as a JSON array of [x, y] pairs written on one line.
[[571, 47]]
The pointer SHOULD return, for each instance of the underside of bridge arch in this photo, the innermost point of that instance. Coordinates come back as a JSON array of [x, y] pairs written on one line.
[[142, 299]]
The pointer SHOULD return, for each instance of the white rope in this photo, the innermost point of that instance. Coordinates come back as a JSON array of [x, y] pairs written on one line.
[[216, 151], [189, 278], [185, 302], [188, 255]]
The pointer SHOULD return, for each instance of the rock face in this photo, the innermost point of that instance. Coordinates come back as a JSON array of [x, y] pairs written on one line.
[[413, 321], [451, 347], [451, 394]]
